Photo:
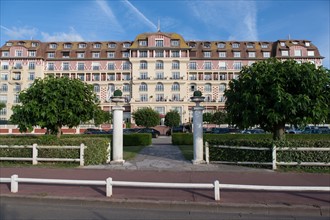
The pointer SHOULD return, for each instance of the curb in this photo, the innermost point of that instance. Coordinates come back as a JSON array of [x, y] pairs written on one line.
[[218, 207]]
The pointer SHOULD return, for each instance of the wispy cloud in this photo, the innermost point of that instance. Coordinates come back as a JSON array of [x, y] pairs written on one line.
[[140, 15], [72, 35], [113, 21], [237, 18], [19, 32]]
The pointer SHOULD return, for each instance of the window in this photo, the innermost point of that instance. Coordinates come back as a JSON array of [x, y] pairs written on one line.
[[175, 53], [80, 55], [159, 43], [237, 65], [192, 65], [207, 45], [96, 66], [96, 88], [96, 77], [222, 87], [175, 75], [112, 45], [32, 65], [176, 97], [266, 54], [82, 45], [222, 66], [66, 54], [193, 87], [176, 65], [222, 54], [16, 98], [34, 44], [143, 65], [52, 46], [31, 76], [264, 45], [111, 77], [310, 53], [297, 53], [159, 98], [18, 65], [125, 54], [208, 87], [126, 45], [282, 44], [126, 88], [192, 77], [142, 43], [159, 65], [66, 66], [174, 43], [18, 53], [111, 54], [111, 66], [221, 45], [159, 75], [32, 53], [207, 54], [126, 76], [143, 87], [207, 77], [81, 66], [143, 75], [51, 55], [207, 65], [4, 76], [252, 54], [3, 98], [5, 53], [143, 54], [81, 76], [144, 97], [237, 54], [307, 44], [96, 55], [97, 45], [175, 87], [159, 53], [51, 66], [3, 111], [4, 88], [250, 45], [285, 53], [17, 87], [235, 45], [67, 46], [126, 66], [159, 87]]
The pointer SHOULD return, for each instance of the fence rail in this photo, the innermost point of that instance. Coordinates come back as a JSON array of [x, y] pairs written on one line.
[[109, 183], [274, 150], [35, 157]]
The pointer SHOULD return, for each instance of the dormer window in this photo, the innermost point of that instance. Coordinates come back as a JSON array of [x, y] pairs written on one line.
[[250, 45], [264, 45], [235, 45], [282, 44], [34, 44], [221, 45], [82, 45], [111, 45], [21, 43], [159, 43], [52, 46], [126, 45], [307, 44], [142, 43], [97, 45], [294, 42], [207, 45], [174, 43], [67, 46], [192, 44], [8, 44]]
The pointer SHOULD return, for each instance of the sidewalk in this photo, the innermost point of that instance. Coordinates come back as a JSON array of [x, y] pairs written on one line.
[[162, 162]]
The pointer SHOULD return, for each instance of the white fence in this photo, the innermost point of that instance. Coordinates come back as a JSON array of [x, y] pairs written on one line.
[[35, 157], [274, 150], [109, 183]]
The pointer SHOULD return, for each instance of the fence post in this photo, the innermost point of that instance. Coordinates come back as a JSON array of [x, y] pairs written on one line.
[[14, 184], [216, 190], [207, 152], [34, 154], [274, 157], [109, 153], [82, 153], [109, 187]]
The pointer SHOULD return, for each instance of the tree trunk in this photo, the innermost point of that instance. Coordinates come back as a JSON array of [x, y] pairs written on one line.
[[59, 131], [278, 131]]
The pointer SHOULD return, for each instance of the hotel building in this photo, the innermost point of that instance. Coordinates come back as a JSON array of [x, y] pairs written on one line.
[[158, 70]]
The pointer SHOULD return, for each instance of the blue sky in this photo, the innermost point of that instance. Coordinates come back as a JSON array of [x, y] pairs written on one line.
[[104, 20]]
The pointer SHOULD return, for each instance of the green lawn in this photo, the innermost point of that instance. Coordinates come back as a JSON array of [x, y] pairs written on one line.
[[187, 151], [131, 151]]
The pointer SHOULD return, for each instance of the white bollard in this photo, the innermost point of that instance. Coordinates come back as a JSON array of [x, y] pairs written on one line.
[[82, 154], [216, 190], [14, 184], [207, 152], [274, 157], [34, 154], [109, 187]]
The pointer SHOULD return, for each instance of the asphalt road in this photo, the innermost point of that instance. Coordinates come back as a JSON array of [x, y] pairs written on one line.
[[49, 209]]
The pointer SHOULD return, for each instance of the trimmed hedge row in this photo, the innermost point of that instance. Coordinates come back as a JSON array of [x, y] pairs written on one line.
[[96, 152]]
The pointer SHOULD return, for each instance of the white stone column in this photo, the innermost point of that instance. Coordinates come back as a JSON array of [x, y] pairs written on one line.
[[198, 130], [117, 136]]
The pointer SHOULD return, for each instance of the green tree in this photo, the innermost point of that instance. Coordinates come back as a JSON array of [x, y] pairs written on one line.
[[55, 102], [172, 119], [207, 117], [2, 105], [101, 117], [272, 93], [146, 117], [220, 117]]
